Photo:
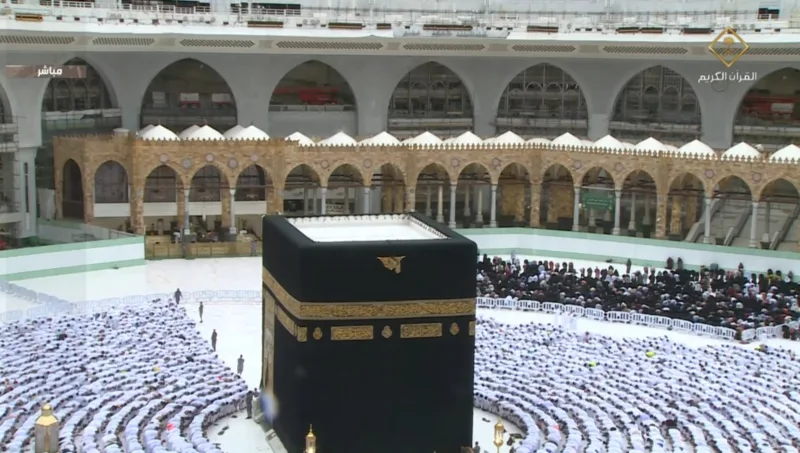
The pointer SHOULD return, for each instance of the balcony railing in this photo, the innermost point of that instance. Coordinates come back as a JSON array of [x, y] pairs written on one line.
[[583, 15]]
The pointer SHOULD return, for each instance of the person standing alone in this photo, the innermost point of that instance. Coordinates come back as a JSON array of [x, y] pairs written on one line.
[[178, 296], [214, 340], [240, 364], [200, 308]]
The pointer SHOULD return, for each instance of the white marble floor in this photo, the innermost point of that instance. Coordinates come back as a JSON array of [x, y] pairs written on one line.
[[239, 328]]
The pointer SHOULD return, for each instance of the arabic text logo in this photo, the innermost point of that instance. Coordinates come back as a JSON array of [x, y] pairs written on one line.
[[728, 47]]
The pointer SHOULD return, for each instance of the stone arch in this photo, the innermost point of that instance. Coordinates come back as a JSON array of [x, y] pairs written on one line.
[[557, 197], [432, 183], [473, 194], [207, 184], [6, 110], [252, 184], [111, 183], [598, 199], [657, 102], [313, 85], [514, 198], [72, 190], [162, 184], [639, 195], [303, 184], [430, 97], [768, 108], [343, 183], [686, 179], [780, 187], [542, 101], [730, 185], [76, 95], [395, 170], [189, 92]]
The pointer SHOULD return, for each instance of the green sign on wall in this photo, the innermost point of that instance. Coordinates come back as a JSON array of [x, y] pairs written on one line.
[[601, 200]]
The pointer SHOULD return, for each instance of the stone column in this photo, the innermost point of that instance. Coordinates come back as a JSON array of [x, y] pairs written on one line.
[[767, 215], [617, 212], [675, 224], [25, 183], [467, 211], [632, 221], [428, 201], [232, 229], [181, 203], [137, 211], [58, 174], [479, 207], [493, 208], [536, 201], [646, 219], [452, 223], [661, 216], [440, 206], [186, 224], [707, 232], [365, 200], [347, 200], [397, 204], [323, 207], [314, 207], [576, 210], [754, 226], [305, 200], [226, 200], [411, 199], [88, 196], [592, 218]]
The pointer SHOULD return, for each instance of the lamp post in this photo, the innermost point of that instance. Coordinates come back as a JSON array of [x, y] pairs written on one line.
[[499, 429], [311, 441]]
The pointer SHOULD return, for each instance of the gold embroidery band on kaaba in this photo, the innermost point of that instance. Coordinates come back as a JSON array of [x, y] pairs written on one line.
[[367, 310]]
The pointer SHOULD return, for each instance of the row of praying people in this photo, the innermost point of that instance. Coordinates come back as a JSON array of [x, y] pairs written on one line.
[[134, 380], [578, 393]]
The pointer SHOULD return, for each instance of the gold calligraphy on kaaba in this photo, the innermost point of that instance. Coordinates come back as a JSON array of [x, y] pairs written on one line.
[[393, 263], [472, 328], [268, 347], [386, 332], [425, 330], [349, 333], [368, 310]]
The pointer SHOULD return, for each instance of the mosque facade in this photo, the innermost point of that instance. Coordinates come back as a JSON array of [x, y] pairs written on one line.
[[370, 70]]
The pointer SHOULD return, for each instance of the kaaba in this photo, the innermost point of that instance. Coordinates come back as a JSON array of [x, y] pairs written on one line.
[[369, 332]]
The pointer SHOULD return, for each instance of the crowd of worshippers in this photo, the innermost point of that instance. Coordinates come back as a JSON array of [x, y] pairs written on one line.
[[727, 298], [575, 392], [137, 380]]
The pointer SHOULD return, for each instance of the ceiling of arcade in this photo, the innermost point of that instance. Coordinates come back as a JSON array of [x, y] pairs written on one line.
[[531, 164]]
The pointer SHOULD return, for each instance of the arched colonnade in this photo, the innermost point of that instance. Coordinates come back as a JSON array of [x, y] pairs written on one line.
[[545, 186]]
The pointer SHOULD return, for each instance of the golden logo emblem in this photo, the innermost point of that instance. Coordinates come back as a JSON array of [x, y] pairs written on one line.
[[728, 47], [386, 332], [317, 333], [454, 329], [393, 263]]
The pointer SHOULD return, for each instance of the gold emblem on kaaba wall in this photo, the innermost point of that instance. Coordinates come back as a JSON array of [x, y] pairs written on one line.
[[317, 333], [386, 332], [472, 328], [454, 329], [392, 263]]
